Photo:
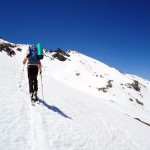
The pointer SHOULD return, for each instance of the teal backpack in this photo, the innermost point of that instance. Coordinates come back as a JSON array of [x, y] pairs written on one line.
[[39, 51]]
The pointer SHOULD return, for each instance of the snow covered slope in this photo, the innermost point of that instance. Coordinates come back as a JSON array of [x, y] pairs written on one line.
[[85, 105], [130, 94]]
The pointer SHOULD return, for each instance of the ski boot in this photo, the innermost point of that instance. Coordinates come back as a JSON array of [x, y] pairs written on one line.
[[31, 96], [35, 96]]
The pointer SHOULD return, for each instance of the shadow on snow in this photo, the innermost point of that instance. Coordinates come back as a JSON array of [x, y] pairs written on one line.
[[54, 108]]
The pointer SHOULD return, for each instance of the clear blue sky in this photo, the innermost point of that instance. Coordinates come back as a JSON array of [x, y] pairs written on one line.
[[116, 32]]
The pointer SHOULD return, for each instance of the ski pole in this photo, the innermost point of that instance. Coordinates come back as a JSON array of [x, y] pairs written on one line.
[[21, 76], [42, 86]]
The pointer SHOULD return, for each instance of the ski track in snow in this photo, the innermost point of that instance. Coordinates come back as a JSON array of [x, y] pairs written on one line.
[[38, 135], [66, 119]]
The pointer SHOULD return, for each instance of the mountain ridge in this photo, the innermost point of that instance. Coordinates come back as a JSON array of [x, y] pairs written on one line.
[[86, 105]]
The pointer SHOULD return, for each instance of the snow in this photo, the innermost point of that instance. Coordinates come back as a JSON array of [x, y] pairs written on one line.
[[72, 113]]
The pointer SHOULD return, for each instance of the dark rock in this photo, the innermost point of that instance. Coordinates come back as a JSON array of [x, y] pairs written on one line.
[[103, 89], [142, 121], [135, 85], [139, 102], [19, 49], [131, 99], [109, 84], [59, 56], [77, 74]]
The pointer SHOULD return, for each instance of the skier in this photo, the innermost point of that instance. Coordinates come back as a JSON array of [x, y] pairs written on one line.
[[33, 66]]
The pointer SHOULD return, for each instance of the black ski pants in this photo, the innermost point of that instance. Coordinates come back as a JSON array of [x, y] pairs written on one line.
[[32, 76]]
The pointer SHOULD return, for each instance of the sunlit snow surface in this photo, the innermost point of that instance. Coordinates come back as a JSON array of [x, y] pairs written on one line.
[[72, 114]]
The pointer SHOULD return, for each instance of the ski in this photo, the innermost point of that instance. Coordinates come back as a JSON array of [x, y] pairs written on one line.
[[34, 98], [34, 101]]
